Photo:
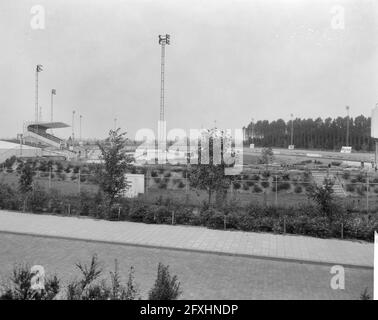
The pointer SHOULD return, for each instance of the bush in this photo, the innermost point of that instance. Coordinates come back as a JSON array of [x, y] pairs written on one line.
[[257, 189], [20, 286], [181, 185], [350, 187], [298, 189], [265, 184], [255, 177], [250, 183], [266, 174], [163, 185], [138, 213], [236, 185], [346, 175], [186, 216], [166, 287]]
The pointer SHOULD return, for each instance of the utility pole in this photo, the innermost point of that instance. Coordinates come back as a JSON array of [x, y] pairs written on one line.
[[347, 133]]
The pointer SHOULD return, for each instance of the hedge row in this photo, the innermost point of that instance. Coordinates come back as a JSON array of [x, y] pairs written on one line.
[[301, 219]]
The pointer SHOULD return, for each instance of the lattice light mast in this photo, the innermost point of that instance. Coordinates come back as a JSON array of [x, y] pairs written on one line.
[[163, 41]]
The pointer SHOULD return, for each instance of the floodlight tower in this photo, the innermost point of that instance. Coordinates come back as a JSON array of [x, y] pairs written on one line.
[[37, 70], [162, 135], [163, 41]]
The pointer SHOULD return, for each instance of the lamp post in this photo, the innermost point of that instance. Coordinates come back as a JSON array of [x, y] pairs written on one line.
[[73, 128], [252, 129], [292, 130], [81, 117], [347, 132]]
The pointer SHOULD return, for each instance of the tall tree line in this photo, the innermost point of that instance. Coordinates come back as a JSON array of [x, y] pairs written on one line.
[[327, 134]]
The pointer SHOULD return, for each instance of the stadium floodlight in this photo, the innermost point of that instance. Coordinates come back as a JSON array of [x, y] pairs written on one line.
[[39, 68]]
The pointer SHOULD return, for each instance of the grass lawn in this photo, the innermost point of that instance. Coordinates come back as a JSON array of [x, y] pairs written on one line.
[[202, 275]]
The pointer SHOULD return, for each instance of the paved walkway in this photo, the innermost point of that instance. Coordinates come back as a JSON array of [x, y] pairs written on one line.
[[261, 245]]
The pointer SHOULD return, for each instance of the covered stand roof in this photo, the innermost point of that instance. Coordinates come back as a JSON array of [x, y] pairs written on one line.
[[48, 125]]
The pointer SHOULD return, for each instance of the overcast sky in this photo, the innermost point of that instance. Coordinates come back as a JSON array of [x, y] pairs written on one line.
[[228, 61]]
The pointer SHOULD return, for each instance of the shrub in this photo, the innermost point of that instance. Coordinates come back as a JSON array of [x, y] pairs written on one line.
[[166, 287], [346, 175], [181, 185], [350, 187], [266, 174], [215, 219], [162, 185], [298, 189], [245, 186], [186, 216], [167, 174], [283, 186], [157, 180], [20, 286], [236, 185], [138, 213], [250, 183], [255, 177], [257, 189], [265, 184]]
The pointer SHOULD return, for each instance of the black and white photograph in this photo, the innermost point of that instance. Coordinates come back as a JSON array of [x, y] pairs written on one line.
[[208, 152]]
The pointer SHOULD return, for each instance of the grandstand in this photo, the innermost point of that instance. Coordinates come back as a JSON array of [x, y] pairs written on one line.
[[36, 134]]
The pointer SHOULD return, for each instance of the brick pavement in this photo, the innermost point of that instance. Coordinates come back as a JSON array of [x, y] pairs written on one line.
[[261, 245]]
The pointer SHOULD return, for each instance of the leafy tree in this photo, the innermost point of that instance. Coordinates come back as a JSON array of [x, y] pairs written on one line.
[[116, 162], [26, 178], [166, 287], [323, 196], [210, 176], [266, 156]]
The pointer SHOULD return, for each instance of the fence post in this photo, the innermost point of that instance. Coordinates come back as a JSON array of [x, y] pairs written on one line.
[[173, 216], [367, 193], [186, 185], [69, 209], [119, 213], [276, 200], [50, 179], [284, 225], [342, 230], [79, 186], [224, 223]]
